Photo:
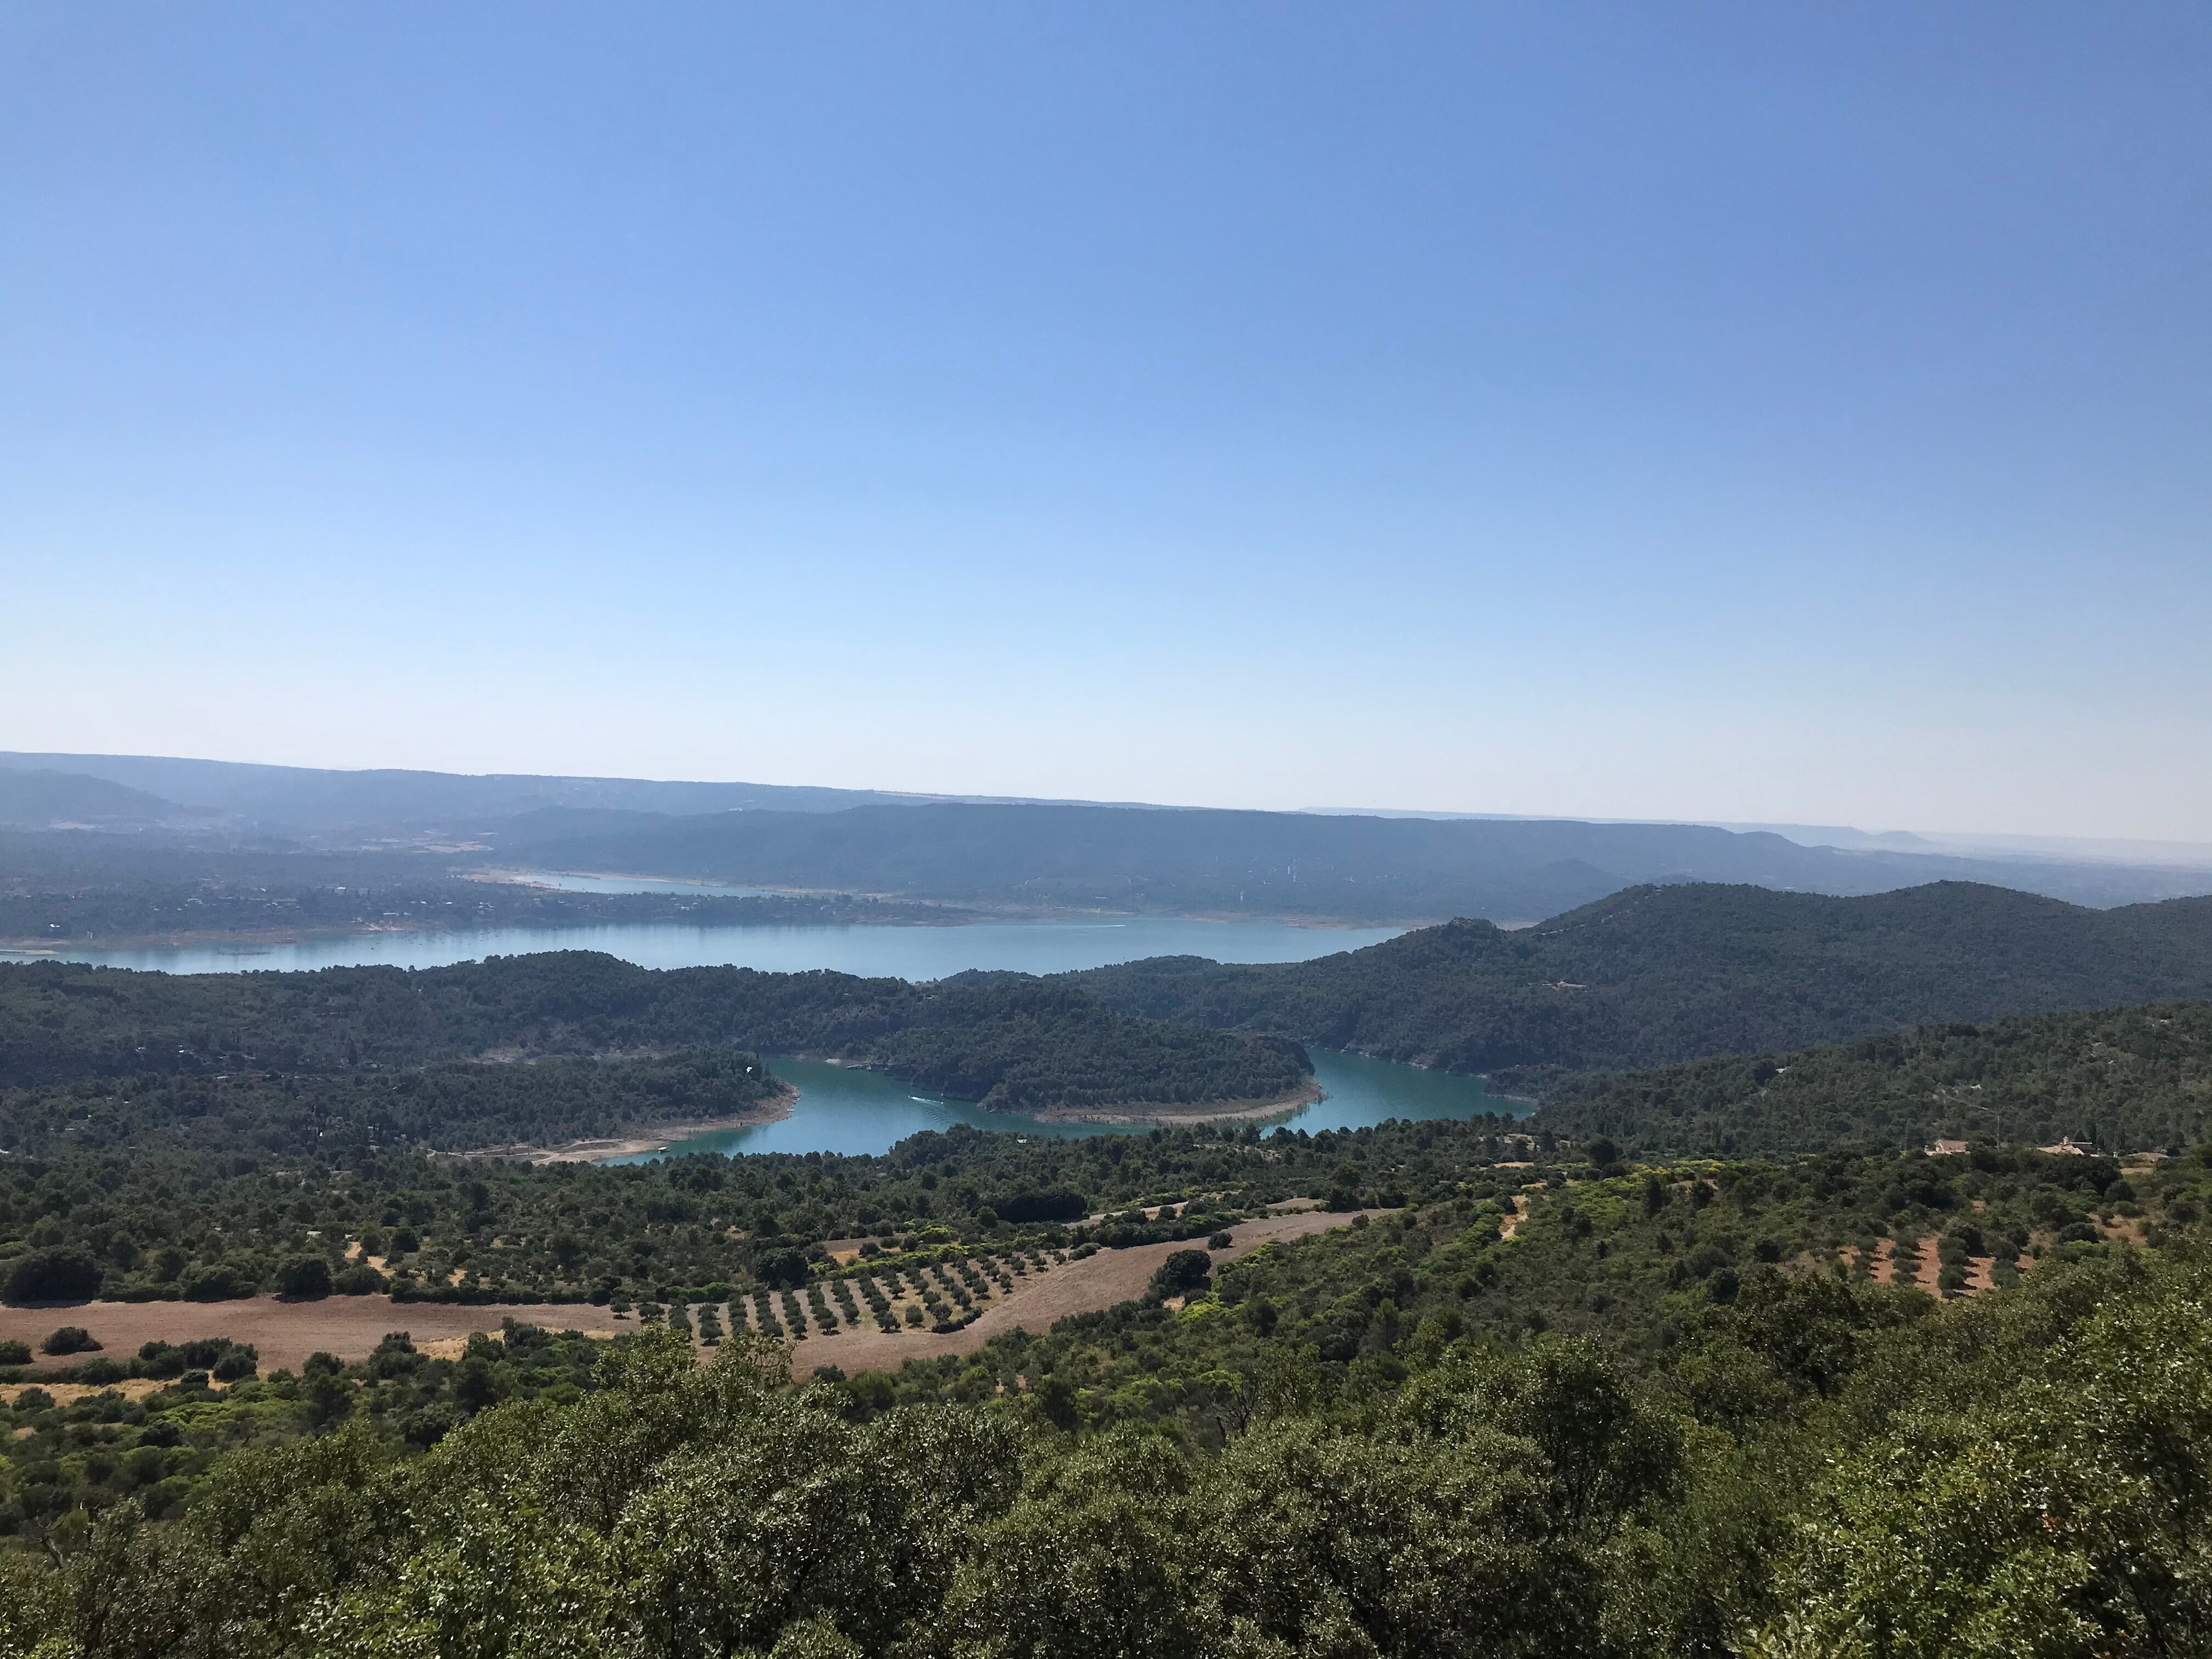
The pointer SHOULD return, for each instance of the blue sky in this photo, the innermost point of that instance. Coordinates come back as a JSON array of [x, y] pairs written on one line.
[[1738, 411]]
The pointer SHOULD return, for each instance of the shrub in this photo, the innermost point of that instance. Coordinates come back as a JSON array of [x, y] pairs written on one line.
[[1219, 1241], [305, 1276], [202, 1351], [360, 1279], [221, 1281], [57, 1273], [1052, 1203], [13, 1352], [1183, 1273], [781, 1268], [71, 1339]]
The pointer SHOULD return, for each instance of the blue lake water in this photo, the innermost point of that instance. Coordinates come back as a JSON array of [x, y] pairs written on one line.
[[845, 1109], [900, 952], [842, 1109]]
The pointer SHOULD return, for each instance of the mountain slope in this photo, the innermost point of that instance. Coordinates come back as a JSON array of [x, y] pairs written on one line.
[[38, 798], [1656, 975], [1205, 861], [2125, 1079]]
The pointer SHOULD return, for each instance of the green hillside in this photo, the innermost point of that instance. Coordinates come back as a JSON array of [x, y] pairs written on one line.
[[1657, 975], [1015, 1044], [2127, 1080]]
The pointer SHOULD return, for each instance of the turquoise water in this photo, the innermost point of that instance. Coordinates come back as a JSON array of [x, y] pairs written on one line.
[[845, 1109], [900, 952], [842, 1109]]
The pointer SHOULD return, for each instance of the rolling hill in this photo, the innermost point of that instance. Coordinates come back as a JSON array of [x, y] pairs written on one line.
[[2124, 1079], [1656, 975]]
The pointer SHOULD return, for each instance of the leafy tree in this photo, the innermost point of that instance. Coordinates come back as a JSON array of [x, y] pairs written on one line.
[[55, 1274], [1183, 1273], [305, 1276]]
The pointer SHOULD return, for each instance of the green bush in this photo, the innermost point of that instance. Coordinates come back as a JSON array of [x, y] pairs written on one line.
[[304, 1276], [221, 1281], [359, 1279], [1183, 1272], [57, 1273]]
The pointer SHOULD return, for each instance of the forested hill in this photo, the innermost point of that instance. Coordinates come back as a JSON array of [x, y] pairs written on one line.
[[1019, 1044], [1657, 974], [2127, 1079]]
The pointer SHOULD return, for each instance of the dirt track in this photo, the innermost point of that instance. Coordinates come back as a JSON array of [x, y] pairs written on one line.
[[286, 1332], [1095, 1282]]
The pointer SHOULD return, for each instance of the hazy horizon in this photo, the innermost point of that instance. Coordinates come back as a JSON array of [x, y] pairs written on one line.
[[1985, 843], [1735, 414]]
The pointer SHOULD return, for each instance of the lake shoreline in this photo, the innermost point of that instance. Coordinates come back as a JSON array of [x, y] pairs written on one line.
[[652, 1138], [1309, 1093]]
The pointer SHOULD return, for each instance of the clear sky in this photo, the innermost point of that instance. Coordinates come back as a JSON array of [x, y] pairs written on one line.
[[1747, 411]]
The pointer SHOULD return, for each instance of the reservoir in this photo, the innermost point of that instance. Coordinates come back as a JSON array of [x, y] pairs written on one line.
[[844, 1108], [869, 950]]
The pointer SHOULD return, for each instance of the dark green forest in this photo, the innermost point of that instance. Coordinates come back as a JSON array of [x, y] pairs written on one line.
[[1657, 975], [1013, 1044], [452, 1105]]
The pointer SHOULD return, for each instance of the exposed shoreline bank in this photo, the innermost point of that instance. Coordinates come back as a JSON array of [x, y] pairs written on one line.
[[1212, 1111], [652, 1138]]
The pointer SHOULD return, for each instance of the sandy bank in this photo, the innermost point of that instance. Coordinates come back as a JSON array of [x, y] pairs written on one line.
[[652, 1138], [1204, 1111]]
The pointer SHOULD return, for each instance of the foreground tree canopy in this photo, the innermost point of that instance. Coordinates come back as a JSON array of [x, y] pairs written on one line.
[[1820, 1470]]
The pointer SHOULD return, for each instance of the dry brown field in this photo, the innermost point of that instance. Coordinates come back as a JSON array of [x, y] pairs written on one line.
[[285, 1332]]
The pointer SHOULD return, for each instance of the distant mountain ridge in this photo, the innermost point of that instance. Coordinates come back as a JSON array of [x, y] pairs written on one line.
[[293, 799], [42, 798], [1315, 867], [1023, 856], [1658, 975]]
